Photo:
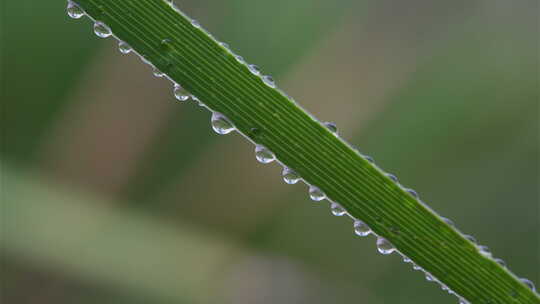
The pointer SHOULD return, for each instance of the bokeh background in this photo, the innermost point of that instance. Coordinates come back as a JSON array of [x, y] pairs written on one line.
[[112, 192]]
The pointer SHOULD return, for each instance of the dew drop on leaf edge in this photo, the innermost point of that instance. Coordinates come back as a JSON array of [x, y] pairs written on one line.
[[221, 124]]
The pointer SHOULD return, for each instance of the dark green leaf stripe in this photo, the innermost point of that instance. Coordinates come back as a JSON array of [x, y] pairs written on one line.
[[192, 58]]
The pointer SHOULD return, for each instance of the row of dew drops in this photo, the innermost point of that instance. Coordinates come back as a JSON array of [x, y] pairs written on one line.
[[222, 125]]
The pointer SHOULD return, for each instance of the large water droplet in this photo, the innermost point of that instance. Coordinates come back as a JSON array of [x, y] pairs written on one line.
[[384, 246], [289, 176], [269, 81], [529, 284], [254, 69], [221, 124], [316, 194], [74, 10], [337, 210], [102, 30], [331, 126], [180, 93], [361, 228], [264, 155], [124, 48]]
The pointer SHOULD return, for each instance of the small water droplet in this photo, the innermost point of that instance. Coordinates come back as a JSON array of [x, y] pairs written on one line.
[[332, 127], [316, 194], [412, 192], [180, 93], [195, 23], [463, 301], [337, 210], [264, 155], [484, 250], [369, 158], [269, 81], [384, 246], [429, 278], [406, 260], [225, 45], [254, 69], [157, 72], [102, 30], [166, 43], [289, 176], [448, 221], [361, 228], [416, 267], [392, 177], [240, 59], [74, 10], [529, 284], [170, 2], [221, 124], [124, 47], [471, 239], [500, 262]]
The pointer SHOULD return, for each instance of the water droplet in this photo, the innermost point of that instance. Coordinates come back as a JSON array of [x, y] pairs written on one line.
[[240, 59], [392, 177], [157, 72], [448, 221], [254, 69], [264, 155], [195, 23], [102, 30], [412, 192], [471, 238], [124, 47], [500, 262], [180, 93], [337, 210], [225, 45], [369, 158], [290, 177], [406, 260], [166, 43], [384, 246], [463, 301], [484, 250], [529, 284], [316, 194], [269, 81], [416, 267], [221, 124], [74, 10], [170, 2], [429, 278], [361, 228], [332, 127]]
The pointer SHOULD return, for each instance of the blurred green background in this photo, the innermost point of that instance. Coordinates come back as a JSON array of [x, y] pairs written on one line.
[[114, 193]]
